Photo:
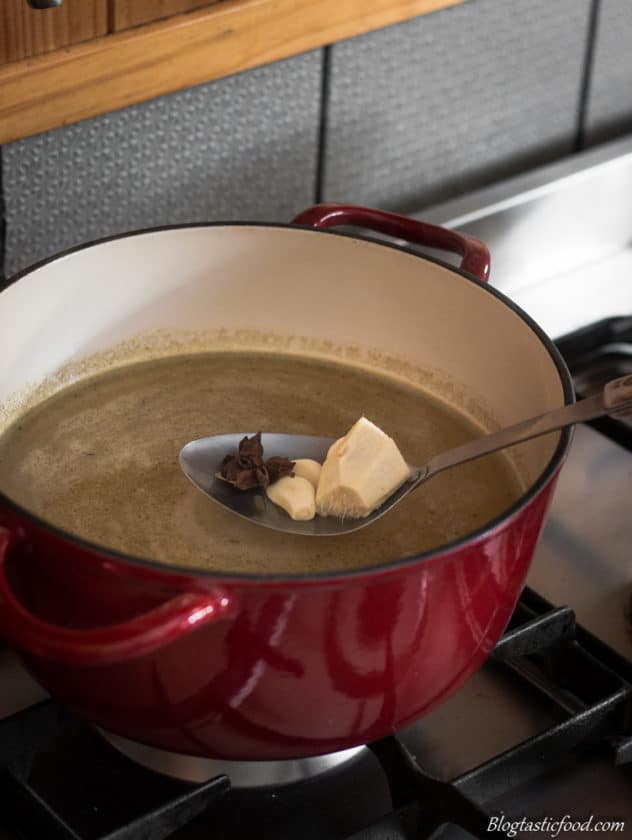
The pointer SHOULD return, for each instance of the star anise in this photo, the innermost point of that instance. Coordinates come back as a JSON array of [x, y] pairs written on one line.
[[247, 469]]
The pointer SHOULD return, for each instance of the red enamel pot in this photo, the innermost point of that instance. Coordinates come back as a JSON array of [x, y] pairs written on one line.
[[245, 667]]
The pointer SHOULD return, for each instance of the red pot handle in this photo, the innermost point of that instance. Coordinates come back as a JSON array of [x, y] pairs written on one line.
[[476, 259], [115, 643]]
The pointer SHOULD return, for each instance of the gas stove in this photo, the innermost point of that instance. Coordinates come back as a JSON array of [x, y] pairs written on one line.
[[539, 742]]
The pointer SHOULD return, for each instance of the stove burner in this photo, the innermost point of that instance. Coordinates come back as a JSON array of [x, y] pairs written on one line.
[[242, 774]]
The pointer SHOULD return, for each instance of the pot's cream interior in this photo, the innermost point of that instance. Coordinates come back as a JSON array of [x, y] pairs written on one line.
[[283, 290]]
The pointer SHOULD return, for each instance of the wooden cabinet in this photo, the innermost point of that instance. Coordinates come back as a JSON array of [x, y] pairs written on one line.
[[88, 57], [128, 13], [26, 32]]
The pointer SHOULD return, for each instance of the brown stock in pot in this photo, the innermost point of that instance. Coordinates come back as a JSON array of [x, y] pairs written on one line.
[[99, 459]]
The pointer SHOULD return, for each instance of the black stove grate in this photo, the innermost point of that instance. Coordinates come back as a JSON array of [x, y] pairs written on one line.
[[583, 676], [111, 798], [594, 355]]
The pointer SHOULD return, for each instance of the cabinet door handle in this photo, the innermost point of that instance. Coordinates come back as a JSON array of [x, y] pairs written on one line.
[[44, 4]]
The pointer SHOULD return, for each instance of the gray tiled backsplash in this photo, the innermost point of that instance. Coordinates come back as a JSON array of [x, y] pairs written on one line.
[[242, 147], [438, 105], [609, 112], [417, 113]]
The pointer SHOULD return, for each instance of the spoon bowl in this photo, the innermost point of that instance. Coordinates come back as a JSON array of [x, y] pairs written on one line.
[[201, 460]]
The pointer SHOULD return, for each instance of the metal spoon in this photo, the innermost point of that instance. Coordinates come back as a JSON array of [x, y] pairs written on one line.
[[200, 460]]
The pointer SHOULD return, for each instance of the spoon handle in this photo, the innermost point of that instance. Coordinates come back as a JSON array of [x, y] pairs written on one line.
[[615, 397]]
